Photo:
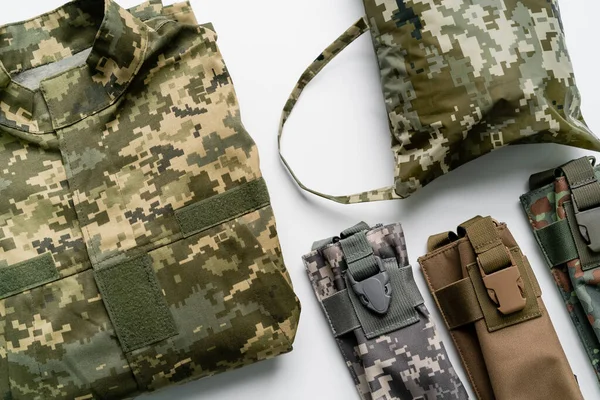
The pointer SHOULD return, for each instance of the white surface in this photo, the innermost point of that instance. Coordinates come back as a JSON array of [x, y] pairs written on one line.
[[267, 44]]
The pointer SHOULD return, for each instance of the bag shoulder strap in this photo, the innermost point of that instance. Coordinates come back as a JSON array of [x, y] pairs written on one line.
[[355, 31]]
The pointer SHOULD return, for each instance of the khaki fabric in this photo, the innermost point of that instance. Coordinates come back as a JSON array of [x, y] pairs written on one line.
[[524, 361]]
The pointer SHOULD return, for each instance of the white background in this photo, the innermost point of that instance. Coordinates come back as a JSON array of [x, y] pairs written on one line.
[[338, 141]]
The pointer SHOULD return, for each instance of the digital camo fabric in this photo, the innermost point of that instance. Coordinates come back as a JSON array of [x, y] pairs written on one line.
[[580, 289], [461, 79], [409, 363], [98, 159]]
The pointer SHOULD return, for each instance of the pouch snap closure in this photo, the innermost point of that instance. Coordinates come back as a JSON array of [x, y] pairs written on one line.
[[375, 292], [506, 288], [589, 226]]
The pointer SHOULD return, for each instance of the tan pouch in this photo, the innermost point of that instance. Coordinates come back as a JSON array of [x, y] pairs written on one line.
[[491, 303]]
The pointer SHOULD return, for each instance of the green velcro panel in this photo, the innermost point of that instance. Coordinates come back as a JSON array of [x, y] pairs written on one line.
[[27, 275], [557, 243], [340, 313], [458, 303], [402, 312], [223, 207], [135, 303]]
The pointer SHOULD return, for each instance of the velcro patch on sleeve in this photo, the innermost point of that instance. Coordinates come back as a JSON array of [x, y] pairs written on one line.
[[135, 303], [27, 275]]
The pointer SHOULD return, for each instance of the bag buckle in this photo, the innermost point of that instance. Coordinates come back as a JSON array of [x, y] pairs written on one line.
[[589, 226], [375, 292], [506, 288]]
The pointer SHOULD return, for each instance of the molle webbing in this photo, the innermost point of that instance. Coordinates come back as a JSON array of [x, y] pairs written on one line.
[[491, 302], [370, 299]]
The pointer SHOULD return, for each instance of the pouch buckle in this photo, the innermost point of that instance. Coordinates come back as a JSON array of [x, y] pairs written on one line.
[[506, 288], [589, 226], [375, 292]]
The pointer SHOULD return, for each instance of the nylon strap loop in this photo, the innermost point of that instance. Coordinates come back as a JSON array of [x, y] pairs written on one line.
[[359, 256], [492, 253], [354, 32], [584, 185]]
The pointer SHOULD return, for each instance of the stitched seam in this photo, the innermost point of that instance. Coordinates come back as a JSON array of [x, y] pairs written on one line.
[[584, 182]]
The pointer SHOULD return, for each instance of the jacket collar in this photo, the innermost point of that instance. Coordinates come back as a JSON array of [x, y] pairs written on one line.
[[118, 41]]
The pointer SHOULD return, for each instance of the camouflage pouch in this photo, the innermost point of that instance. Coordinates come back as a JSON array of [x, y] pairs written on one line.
[[491, 303], [562, 208], [461, 79], [366, 289], [138, 247]]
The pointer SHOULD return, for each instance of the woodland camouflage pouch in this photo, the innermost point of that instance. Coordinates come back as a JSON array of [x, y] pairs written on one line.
[[138, 247], [463, 78], [563, 210]]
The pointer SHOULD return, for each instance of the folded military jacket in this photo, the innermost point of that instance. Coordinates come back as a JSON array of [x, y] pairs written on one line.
[[563, 210], [461, 79], [389, 342], [138, 247], [491, 302]]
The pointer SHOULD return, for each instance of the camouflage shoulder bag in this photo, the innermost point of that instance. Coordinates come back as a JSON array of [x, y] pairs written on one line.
[[138, 247], [461, 79]]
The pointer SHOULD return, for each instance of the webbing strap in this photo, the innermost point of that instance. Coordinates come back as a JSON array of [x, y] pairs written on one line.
[[491, 252], [557, 243], [458, 303], [354, 32], [583, 183], [359, 256], [340, 313]]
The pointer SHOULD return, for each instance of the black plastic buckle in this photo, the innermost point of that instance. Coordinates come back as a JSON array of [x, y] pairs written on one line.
[[589, 226], [375, 292]]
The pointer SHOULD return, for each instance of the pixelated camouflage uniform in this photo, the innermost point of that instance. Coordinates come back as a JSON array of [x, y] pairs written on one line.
[[409, 362], [137, 244], [461, 79]]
